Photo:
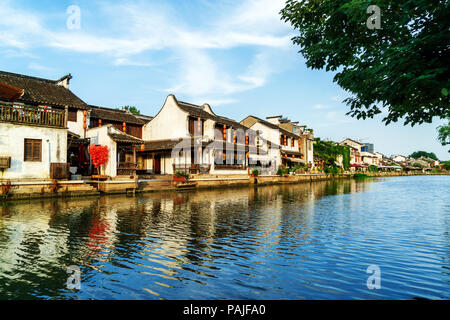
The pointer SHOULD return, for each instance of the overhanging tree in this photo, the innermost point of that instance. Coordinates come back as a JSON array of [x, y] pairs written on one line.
[[402, 67], [444, 133], [418, 154]]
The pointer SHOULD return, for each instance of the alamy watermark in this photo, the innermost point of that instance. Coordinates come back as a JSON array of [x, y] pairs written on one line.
[[374, 280], [374, 21], [73, 21], [74, 280]]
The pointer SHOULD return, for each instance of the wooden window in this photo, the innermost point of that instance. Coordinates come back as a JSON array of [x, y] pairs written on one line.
[[196, 126], [218, 134], [33, 150], [191, 126], [135, 131], [72, 115]]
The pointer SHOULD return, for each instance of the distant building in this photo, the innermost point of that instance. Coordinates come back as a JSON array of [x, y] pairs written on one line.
[[370, 147], [399, 158]]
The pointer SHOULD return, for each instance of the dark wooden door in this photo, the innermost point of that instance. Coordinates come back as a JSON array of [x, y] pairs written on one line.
[[157, 164]]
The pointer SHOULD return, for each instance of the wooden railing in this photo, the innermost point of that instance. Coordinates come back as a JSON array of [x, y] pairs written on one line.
[[229, 167], [191, 168], [32, 115], [126, 168]]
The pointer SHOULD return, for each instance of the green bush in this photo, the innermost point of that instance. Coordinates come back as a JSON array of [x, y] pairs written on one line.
[[446, 165], [280, 172], [373, 168], [255, 172], [359, 176], [181, 174]]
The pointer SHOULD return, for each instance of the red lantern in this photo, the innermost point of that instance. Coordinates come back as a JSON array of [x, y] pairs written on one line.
[[84, 120]]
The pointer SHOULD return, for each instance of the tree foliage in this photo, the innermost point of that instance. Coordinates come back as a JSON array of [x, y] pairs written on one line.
[[444, 133], [402, 67], [132, 109], [328, 151], [418, 154]]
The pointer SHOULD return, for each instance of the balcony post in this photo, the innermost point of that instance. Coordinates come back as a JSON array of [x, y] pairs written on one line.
[[66, 115]]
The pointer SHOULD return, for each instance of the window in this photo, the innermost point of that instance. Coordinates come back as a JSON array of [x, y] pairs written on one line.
[[33, 150], [135, 131], [196, 126], [72, 115]]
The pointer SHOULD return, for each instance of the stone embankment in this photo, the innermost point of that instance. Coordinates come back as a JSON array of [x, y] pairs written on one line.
[[18, 190]]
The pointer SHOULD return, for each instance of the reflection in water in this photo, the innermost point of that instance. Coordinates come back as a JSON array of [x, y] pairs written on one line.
[[275, 242]]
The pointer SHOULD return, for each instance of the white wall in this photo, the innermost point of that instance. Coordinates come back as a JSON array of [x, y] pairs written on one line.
[[169, 123], [99, 135], [12, 139], [77, 127]]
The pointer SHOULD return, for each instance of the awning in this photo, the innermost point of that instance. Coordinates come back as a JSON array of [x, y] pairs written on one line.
[[296, 160], [10, 92], [125, 138], [291, 153], [75, 139], [355, 165], [261, 158]]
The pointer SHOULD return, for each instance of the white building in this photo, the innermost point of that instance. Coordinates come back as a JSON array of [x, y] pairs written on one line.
[[281, 143], [192, 138], [34, 121], [399, 158]]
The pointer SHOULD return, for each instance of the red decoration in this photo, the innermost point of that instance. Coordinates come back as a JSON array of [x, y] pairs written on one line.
[[99, 155]]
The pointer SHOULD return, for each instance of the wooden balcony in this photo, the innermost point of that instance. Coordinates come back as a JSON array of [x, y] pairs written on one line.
[[32, 115]]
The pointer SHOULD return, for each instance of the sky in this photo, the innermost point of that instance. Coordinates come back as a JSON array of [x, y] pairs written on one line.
[[235, 55]]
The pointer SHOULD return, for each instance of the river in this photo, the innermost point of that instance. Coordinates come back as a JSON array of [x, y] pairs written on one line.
[[304, 241]]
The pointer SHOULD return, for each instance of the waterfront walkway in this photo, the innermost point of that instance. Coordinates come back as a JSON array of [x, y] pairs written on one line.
[[18, 190]]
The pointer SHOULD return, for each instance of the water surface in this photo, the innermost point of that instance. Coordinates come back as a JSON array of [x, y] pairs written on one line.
[[304, 241]]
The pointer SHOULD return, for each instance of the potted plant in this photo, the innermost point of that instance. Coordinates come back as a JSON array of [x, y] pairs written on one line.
[[180, 176], [254, 173], [280, 172]]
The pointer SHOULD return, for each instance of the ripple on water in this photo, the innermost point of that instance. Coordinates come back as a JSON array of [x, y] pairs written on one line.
[[306, 241]]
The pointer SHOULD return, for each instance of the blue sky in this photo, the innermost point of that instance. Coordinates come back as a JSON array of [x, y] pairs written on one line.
[[235, 55]]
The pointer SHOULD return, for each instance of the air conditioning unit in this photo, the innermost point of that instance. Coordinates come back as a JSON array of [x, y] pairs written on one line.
[[5, 162]]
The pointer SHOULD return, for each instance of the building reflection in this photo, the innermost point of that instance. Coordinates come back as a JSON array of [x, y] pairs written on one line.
[[160, 232]]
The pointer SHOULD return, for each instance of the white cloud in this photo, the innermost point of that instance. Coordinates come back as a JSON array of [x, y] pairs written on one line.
[[320, 106], [337, 98], [127, 30], [40, 68]]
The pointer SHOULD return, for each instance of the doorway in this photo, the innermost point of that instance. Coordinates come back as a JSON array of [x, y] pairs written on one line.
[[157, 164]]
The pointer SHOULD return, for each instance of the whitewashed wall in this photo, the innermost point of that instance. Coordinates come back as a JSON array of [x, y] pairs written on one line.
[[77, 127], [99, 135], [170, 123], [12, 139]]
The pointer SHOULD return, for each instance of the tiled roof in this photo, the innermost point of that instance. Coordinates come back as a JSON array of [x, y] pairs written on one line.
[[42, 91], [274, 126], [114, 115], [144, 118], [198, 111], [230, 122], [195, 110], [156, 145], [124, 138]]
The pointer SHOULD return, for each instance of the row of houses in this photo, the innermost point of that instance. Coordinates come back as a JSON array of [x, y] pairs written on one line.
[[421, 162], [362, 156], [46, 131]]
